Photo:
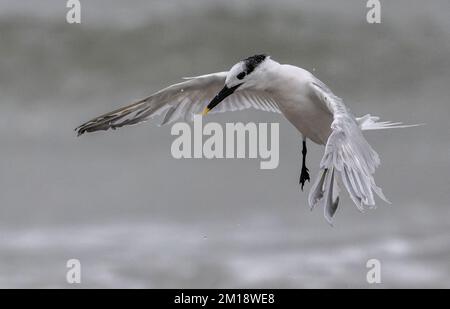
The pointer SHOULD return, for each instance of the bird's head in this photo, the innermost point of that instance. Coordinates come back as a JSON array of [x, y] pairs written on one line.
[[246, 74]]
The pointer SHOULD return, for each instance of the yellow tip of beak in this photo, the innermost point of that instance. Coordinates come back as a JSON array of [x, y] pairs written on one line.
[[205, 111]]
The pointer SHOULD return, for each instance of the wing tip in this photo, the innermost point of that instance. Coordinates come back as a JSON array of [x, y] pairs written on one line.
[[79, 131], [84, 128]]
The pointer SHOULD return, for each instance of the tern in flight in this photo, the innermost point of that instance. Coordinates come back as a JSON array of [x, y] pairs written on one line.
[[261, 83]]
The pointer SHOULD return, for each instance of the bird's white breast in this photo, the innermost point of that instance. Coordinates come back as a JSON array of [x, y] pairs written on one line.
[[300, 105]]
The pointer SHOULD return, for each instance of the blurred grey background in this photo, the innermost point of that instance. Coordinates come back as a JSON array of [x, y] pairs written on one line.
[[136, 217]]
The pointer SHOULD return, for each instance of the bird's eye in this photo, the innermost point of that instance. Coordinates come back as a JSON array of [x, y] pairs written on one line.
[[241, 75]]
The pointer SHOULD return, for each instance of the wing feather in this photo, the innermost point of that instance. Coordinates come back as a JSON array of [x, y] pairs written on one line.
[[181, 102], [347, 154]]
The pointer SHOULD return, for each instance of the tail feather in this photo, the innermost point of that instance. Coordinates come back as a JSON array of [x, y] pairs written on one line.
[[368, 122]]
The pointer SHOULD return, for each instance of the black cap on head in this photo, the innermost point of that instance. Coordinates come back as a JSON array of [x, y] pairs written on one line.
[[252, 62]]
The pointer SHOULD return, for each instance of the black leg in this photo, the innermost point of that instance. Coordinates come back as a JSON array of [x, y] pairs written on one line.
[[304, 174]]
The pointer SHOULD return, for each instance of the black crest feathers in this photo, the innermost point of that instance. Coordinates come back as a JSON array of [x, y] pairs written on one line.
[[252, 62]]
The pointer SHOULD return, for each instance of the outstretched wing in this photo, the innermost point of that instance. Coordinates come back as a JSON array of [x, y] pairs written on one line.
[[347, 154], [181, 102]]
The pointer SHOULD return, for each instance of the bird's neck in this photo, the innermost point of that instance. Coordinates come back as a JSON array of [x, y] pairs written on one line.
[[269, 73], [286, 78]]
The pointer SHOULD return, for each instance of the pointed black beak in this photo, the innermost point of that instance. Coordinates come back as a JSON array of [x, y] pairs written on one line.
[[222, 95]]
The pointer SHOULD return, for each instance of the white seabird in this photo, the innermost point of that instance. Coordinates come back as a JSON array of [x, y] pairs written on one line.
[[261, 83]]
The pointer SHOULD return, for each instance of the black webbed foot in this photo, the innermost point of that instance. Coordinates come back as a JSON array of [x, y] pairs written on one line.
[[304, 174]]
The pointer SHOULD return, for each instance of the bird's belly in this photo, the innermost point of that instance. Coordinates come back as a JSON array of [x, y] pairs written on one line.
[[313, 121]]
